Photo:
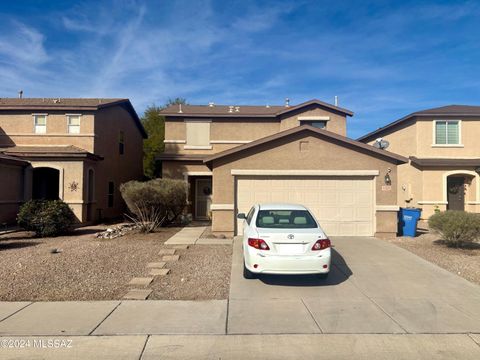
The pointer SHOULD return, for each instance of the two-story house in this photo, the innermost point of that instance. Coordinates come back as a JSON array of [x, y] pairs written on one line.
[[235, 156], [444, 158], [77, 150]]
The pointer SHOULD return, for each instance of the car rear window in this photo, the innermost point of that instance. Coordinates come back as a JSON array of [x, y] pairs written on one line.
[[285, 219]]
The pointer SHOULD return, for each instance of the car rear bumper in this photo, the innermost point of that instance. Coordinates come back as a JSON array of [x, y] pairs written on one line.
[[281, 264]]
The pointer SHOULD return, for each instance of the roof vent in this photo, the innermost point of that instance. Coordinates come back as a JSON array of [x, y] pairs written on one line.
[[211, 104], [287, 102], [20, 94], [180, 108], [237, 108], [230, 109], [336, 100]]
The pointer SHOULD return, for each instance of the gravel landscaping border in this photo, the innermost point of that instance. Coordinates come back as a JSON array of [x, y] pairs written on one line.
[[462, 262], [86, 268]]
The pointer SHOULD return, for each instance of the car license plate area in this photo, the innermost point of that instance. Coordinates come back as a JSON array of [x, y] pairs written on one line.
[[289, 249]]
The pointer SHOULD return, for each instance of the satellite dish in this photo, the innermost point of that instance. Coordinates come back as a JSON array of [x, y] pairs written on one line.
[[381, 144]]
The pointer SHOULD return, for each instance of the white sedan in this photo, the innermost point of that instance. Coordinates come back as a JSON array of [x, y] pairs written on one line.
[[283, 239]]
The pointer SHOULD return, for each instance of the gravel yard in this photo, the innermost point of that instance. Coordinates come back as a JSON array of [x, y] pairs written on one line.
[[201, 273], [463, 262], [88, 268]]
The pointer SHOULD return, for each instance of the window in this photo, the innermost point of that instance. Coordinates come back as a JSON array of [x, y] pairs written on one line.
[[285, 219], [447, 132], [40, 124], [318, 124], [121, 143], [73, 122], [250, 215], [198, 133], [111, 191]]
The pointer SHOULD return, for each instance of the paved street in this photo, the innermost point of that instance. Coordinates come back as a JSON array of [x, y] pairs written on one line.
[[380, 302]]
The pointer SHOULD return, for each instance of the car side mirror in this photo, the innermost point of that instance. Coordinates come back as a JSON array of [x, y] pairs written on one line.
[[241, 216]]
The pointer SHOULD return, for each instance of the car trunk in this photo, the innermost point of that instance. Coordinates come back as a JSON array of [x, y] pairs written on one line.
[[289, 242]]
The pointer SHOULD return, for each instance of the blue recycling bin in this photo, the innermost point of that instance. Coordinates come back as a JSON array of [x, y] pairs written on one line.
[[408, 219]]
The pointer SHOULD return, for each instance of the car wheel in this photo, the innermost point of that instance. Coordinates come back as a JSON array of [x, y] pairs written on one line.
[[322, 276], [247, 274]]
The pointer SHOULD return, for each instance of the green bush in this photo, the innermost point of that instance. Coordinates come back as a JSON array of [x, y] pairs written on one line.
[[156, 202], [46, 217], [457, 228]]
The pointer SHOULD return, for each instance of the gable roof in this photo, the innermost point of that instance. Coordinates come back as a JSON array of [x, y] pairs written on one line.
[[266, 111], [307, 128], [449, 110], [71, 104]]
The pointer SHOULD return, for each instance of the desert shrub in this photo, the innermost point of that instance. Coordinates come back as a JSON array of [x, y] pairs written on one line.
[[154, 203], [46, 217], [457, 228]]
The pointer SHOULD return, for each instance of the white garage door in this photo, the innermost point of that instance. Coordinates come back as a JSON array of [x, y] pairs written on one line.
[[342, 205]]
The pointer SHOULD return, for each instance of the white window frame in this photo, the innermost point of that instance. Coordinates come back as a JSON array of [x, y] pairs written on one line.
[[434, 133], [198, 147], [35, 123], [79, 122]]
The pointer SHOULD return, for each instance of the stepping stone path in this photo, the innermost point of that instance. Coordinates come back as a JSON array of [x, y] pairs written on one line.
[[141, 281], [156, 269], [157, 265], [166, 252], [137, 294], [159, 272], [170, 257]]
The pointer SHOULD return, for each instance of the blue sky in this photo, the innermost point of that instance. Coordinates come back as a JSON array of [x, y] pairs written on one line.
[[383, 59]]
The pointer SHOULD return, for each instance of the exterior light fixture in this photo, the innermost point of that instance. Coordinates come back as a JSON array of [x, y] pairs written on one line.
[[387, 179]]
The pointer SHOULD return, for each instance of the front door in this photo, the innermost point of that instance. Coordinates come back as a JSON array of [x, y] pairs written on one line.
[[203, 198], [456, 193]]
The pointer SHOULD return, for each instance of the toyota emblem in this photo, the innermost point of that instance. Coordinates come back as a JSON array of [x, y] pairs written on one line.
[[291, 236]]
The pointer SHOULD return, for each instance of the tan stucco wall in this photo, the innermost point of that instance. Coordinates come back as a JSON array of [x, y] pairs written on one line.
[[220, 130], [386, 222], [470, 128], [426, 188], [17, 128], [336, 124], [285, 154], [403, 140], [246, 129], [176, 169], [115, 167], [70, 172], [11, 191]]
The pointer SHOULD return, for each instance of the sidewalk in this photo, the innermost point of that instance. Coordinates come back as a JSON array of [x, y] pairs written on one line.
[[244, 347]]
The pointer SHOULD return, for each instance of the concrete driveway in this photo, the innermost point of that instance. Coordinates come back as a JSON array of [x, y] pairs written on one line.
[[374, 287]]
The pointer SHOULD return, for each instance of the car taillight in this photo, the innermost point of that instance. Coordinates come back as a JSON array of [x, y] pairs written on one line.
[[321, 244], [258, 244]]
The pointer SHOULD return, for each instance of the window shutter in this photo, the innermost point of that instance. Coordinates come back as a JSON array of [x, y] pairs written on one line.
[[440, 132], [198, 133]]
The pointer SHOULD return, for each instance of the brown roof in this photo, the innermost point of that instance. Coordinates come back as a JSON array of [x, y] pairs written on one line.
[[244, 110], [449, 110], [181, 157], [7, 159], [57, 103], [328, 134], [68, 151], [70, 104], [431, 162]]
